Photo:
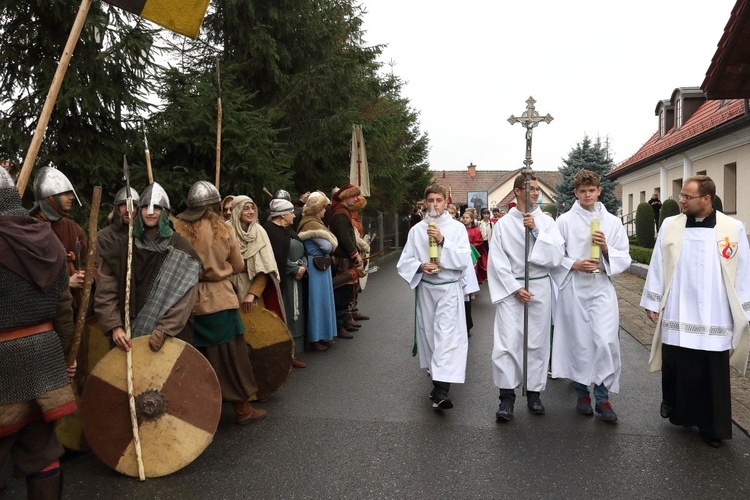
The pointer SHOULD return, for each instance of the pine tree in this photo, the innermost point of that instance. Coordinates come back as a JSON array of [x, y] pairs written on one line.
[[594, 156]]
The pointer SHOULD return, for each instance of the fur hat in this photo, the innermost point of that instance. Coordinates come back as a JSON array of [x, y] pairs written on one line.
[[315, 203], [346, 191]]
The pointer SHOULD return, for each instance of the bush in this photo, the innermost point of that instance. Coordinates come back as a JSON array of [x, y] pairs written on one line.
[[640, 254], [669, 208], [645, 230], [718, 205], [551, 208]]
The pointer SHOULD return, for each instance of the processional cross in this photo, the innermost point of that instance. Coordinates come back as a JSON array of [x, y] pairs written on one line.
[[529, 120]]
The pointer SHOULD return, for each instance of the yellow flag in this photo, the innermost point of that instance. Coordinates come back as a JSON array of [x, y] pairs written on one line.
[[181, 16]]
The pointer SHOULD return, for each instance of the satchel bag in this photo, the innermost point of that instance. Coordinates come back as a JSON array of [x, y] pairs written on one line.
[[322, 263]]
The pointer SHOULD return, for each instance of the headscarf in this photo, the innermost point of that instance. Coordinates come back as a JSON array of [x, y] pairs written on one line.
[[254, 244], [279, 207]]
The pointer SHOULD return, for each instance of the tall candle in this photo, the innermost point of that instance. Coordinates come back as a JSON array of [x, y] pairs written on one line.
[[433, 245], [595, 250]]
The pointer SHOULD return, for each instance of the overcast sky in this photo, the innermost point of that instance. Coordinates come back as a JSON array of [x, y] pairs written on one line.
[[598, 67]]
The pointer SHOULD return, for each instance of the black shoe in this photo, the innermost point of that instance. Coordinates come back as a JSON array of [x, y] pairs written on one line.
[[534, 403], [583, 405], [505, 412], [606, 411], [710, 440], [665, 410], [440, 399]]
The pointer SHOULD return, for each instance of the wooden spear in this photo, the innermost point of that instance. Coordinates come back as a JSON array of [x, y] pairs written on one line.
[[129, 354], [149, 170], [62, 68], [218, 124], [88, 280]]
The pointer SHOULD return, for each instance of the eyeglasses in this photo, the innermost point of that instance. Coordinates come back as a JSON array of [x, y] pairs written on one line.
[[687, 197]]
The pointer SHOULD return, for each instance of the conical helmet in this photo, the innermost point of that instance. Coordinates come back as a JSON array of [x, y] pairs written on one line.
[[282, 194], [202, 194], [6, 180], [154, 196], [50, 182], [122, 197]]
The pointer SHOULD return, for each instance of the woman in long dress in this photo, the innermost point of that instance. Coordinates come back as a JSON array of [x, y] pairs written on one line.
[[319, 243]]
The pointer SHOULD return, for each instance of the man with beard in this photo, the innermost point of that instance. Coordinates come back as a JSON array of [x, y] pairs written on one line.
[[36, 330], [119, 220]]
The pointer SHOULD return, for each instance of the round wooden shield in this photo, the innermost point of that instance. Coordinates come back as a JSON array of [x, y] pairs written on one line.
[[94, 346], [178, 404], [271, 349]]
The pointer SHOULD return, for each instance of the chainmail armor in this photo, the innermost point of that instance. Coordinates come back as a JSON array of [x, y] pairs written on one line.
[[10, 202], [33, 365]]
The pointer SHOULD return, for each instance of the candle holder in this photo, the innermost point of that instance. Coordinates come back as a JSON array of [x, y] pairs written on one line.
[[432, 217], [594, 251]]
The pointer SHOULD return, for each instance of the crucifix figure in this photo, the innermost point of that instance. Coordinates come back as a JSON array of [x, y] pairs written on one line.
[[529, 119]]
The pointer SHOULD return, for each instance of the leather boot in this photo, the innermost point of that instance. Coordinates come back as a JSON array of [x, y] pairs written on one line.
[[343, 333], [350, 323], [245, 414], [358, 316], [49, 488]]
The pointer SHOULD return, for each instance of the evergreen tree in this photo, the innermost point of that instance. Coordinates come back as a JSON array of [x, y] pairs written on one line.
[[102, 96], [594, 156]]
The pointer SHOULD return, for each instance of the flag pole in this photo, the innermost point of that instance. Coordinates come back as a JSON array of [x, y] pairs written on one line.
[[218, 124], [49, 104]]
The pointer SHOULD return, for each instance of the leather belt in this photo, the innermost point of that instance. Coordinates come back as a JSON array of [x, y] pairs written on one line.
[[25, 331]]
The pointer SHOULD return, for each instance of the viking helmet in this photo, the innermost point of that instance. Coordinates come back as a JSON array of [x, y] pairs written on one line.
[[154, 196], [282, 195], [202, 194], [6, 181], [50, 182], [122, 196]]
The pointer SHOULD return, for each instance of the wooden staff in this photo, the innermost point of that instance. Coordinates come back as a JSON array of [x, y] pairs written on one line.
[[129, 354], [62, 68], [88, 280], [218, 125], [149, 171]]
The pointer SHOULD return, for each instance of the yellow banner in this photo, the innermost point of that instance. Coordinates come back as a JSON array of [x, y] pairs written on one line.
[[181, 16]]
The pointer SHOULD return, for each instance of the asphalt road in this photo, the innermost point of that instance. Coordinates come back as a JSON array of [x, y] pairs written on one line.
[[357, 423]]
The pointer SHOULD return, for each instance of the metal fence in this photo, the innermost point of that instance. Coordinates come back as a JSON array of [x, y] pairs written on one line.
[[390, 230]]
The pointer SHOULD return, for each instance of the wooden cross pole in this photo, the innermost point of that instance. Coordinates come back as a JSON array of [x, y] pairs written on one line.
[[529, 119]]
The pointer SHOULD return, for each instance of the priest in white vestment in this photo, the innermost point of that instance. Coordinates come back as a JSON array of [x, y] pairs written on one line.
[[586, 344], [505, 270], [441, 336], [698, 280]]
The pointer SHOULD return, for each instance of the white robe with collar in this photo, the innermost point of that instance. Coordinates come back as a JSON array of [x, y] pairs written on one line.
[[505, 275], [442, 340], [586, 343]]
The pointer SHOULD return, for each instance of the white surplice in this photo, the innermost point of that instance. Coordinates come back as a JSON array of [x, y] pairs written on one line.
[[697, 313], [586, 343], [505, 275], [442, 341]]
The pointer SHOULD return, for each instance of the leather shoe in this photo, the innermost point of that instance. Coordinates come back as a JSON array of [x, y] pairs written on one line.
[[344, 334], [583, 406], [352, 323], [351, 328], [317, 347], [358, 316], [245, 414], [605, 410], [665, 410], [710, 440], [298, 363]]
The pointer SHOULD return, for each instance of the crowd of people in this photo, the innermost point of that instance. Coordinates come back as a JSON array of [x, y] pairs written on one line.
[[565, 322], [194, 275]]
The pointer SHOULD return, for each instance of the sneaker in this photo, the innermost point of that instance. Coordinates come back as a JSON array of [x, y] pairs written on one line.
[[505, 412], [606, 411], [534, 403], [583, 406], [440, 399]]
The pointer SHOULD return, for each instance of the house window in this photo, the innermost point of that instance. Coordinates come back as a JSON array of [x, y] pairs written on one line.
[[662, 123], [642, 197], [630, 203], [702, 172], [658, 192], [676, 187], [730, 188], [678, 122]]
